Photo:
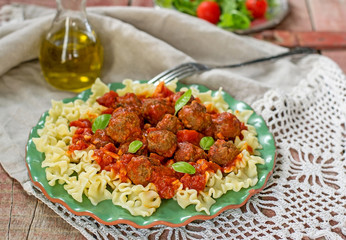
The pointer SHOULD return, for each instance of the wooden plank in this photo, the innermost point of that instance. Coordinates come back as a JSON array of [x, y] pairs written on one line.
[[6, 184], [24, 217], [142, 3], [46, 224], [298, 18], [322, 40], [279, 37], [328, 15], [23, 208], [338, 56], [4, 2], [318, 40]]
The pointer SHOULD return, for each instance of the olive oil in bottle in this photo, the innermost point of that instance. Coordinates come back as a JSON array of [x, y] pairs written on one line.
[[71, 55]]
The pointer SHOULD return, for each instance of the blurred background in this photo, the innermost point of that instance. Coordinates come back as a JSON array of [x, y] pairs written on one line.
[[310, 23]]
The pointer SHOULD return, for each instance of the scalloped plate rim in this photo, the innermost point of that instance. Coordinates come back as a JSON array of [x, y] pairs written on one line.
[[154, 223]]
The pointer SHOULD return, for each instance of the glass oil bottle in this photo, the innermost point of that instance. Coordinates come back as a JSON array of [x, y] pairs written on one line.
[[71, 55]]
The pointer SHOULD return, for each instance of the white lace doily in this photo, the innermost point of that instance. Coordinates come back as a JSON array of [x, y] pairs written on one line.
[[305, 197]]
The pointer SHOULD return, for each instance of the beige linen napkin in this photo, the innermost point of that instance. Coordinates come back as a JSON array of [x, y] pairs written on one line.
[[139, 43]]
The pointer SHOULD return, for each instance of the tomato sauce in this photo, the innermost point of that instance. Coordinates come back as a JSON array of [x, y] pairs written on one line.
[[142, 119]]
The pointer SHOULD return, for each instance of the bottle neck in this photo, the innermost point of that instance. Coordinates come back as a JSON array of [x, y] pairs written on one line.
[[71, 9], [71, 5], [71, 15]]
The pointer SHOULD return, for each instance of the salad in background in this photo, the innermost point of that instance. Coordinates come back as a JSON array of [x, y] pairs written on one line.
[[227, 14]]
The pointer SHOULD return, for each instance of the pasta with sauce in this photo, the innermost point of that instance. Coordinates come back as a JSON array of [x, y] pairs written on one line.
[[100, 165]]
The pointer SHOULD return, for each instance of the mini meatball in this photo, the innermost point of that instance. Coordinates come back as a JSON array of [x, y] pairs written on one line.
[[227, 126], [194, 116], [139, 170], [129, 100], [188, 152], [222, 152], [100, 138], [210, 130], [124, 126], [162, 142], [171, 123], [154, 109]]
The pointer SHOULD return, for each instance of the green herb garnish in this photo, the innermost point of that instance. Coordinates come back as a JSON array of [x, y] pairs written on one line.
[[101, 122], [182, 101], [183, 167], [206, 143], [135, 146]]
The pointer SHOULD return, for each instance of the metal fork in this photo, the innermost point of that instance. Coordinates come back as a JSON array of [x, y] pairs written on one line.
[[188, 69]]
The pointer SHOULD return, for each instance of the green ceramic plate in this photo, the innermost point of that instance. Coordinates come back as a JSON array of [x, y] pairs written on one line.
[[169, 213]]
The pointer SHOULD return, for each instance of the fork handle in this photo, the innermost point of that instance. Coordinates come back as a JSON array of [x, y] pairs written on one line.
[[293, 51]]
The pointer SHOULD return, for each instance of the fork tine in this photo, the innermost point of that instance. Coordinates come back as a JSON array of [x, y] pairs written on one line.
[[180, 75], [158, 77], [177, 72], [161, 75]]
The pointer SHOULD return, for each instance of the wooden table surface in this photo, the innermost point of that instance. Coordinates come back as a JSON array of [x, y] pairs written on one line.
[[314, 23]]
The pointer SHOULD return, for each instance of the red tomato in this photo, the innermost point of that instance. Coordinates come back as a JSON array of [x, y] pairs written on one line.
[[108, 100], [257, 8], [81, 123], [162, 91], [209, 11], [190, 136]]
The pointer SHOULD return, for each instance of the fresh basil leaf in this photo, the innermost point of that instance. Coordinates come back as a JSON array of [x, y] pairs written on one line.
[[182, 101], [183, 167], [135, 146], [206, 143], [101, 122]]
